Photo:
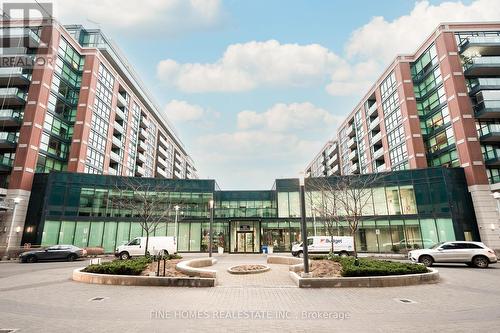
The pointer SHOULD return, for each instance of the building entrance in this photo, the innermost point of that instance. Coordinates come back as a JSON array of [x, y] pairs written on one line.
[[245, 236]]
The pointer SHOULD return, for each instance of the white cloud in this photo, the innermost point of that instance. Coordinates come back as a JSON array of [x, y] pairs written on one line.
[[165, 16], [372, 47], [384, 39], [246, 66], [182, 111], [287, 117]]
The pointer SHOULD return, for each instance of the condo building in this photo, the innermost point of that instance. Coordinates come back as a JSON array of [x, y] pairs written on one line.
[[72, 102], [437, 107], [326, 163]]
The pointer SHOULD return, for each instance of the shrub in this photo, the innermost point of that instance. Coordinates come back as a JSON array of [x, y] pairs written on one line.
[[374, 267], [174, 256], [120, 267]]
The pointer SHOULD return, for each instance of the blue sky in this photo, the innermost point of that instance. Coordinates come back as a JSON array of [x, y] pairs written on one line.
[[255, 88]]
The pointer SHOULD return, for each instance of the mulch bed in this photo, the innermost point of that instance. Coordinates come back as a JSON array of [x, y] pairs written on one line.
[[325, 268], [170, 270]]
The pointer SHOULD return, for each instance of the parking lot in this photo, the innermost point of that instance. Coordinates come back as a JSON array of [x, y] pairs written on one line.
[[41, 297]]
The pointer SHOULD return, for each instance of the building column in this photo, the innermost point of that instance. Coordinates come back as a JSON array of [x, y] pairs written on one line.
[[466, 139]]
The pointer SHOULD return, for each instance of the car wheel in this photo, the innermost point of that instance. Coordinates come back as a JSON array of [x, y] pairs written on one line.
[[427, 261], [32, 259], [480, 262], [72, 257], [299, 254], [344, 254], [124, 256]]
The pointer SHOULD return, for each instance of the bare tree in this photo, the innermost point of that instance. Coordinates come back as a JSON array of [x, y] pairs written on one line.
[[145, 200], [344, 198]]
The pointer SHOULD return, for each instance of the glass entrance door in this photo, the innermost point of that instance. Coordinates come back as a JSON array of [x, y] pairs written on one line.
[[244, 242]]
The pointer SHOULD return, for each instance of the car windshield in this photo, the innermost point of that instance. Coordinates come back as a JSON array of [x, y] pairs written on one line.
[[435, 246]]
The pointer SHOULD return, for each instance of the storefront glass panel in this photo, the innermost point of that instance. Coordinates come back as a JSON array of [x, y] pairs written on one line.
[[50, 232], [82, 234], [123, 233], [445, 230], [67, 232], [183, 241], [384, 236], [109, 238], [413, 237], [429, 232], [96, 231]]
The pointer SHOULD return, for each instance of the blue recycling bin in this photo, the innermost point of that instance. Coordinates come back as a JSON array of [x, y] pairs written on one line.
[[264, 249]]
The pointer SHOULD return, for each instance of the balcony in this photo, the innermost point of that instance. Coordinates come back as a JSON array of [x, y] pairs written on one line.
[[162, 162], [372, 110], [13, 96], [352, 143], [376, 138], [11, 118], [6, 163], [375, 124], [142, 146], [115, 157], [162, 152], [17, 37], [489, 133], [378, 154], [118, 127], [144, 123], [354, 168], [483, 45], [119, 114], [112, 171], [488, 104], [8, 140], [381, 168], [117, 142], [141, 158], [161, 172], [121, 101], [350, 132], [478, 84], [177, 175], [14, 77], [139, 171], [332, 160], [353, 155], [481, 66], [143, 134], [164, 141]]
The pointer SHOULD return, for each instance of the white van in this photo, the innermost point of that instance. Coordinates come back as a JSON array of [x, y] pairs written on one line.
[[342, 245], [137, 245]]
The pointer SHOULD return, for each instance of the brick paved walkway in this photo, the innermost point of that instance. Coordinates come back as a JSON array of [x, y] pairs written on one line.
[[276, 277]]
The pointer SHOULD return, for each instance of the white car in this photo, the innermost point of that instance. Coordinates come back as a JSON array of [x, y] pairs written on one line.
[[342, 245], [471, 253], [136, 246]]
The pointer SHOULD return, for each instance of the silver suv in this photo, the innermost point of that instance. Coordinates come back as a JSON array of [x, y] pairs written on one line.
[[471, 253]]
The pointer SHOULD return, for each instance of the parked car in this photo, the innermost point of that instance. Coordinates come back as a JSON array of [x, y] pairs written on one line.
[[137, 246], [408, 244], [471, 253], [342, 245], [56, 252]]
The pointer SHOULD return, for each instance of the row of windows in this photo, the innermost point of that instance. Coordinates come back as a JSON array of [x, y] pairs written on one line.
[[388, 85], [426, 61], [46, 164], [440, 141], [490, 152], [397, 156], [436, 121], [431, 81], [56, 126], [447, 158], [430, 103], [69, 54], [54, 146]]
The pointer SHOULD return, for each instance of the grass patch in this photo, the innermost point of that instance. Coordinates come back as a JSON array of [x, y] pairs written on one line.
[[374, 267], [133, 266]]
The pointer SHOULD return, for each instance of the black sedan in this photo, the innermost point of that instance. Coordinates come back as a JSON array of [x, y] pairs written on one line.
[[56, 252]]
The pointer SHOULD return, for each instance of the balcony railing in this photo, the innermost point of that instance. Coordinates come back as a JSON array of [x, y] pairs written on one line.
[[483, 45], [11, 117], [8, 139], [378, 153], [482, 66], [6, 162], [13, 96]]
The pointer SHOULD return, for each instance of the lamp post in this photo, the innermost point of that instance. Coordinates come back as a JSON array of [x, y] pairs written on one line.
[[303, 224], [12, 221], [176, 207], [211, 204], [314, 218]]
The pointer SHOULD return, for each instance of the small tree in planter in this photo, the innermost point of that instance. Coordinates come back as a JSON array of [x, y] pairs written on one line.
[[345, 198], [145, 200]]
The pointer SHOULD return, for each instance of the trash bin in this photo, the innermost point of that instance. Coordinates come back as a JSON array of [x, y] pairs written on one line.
[[264, 249]]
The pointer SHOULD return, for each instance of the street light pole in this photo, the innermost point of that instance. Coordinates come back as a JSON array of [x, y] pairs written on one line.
[[303, 224], [314, 219], [211, 203], [176, 207]]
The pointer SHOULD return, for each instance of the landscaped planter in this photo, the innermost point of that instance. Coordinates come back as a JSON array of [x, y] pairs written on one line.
[[248, 269], [140, 280], [368, 281]]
